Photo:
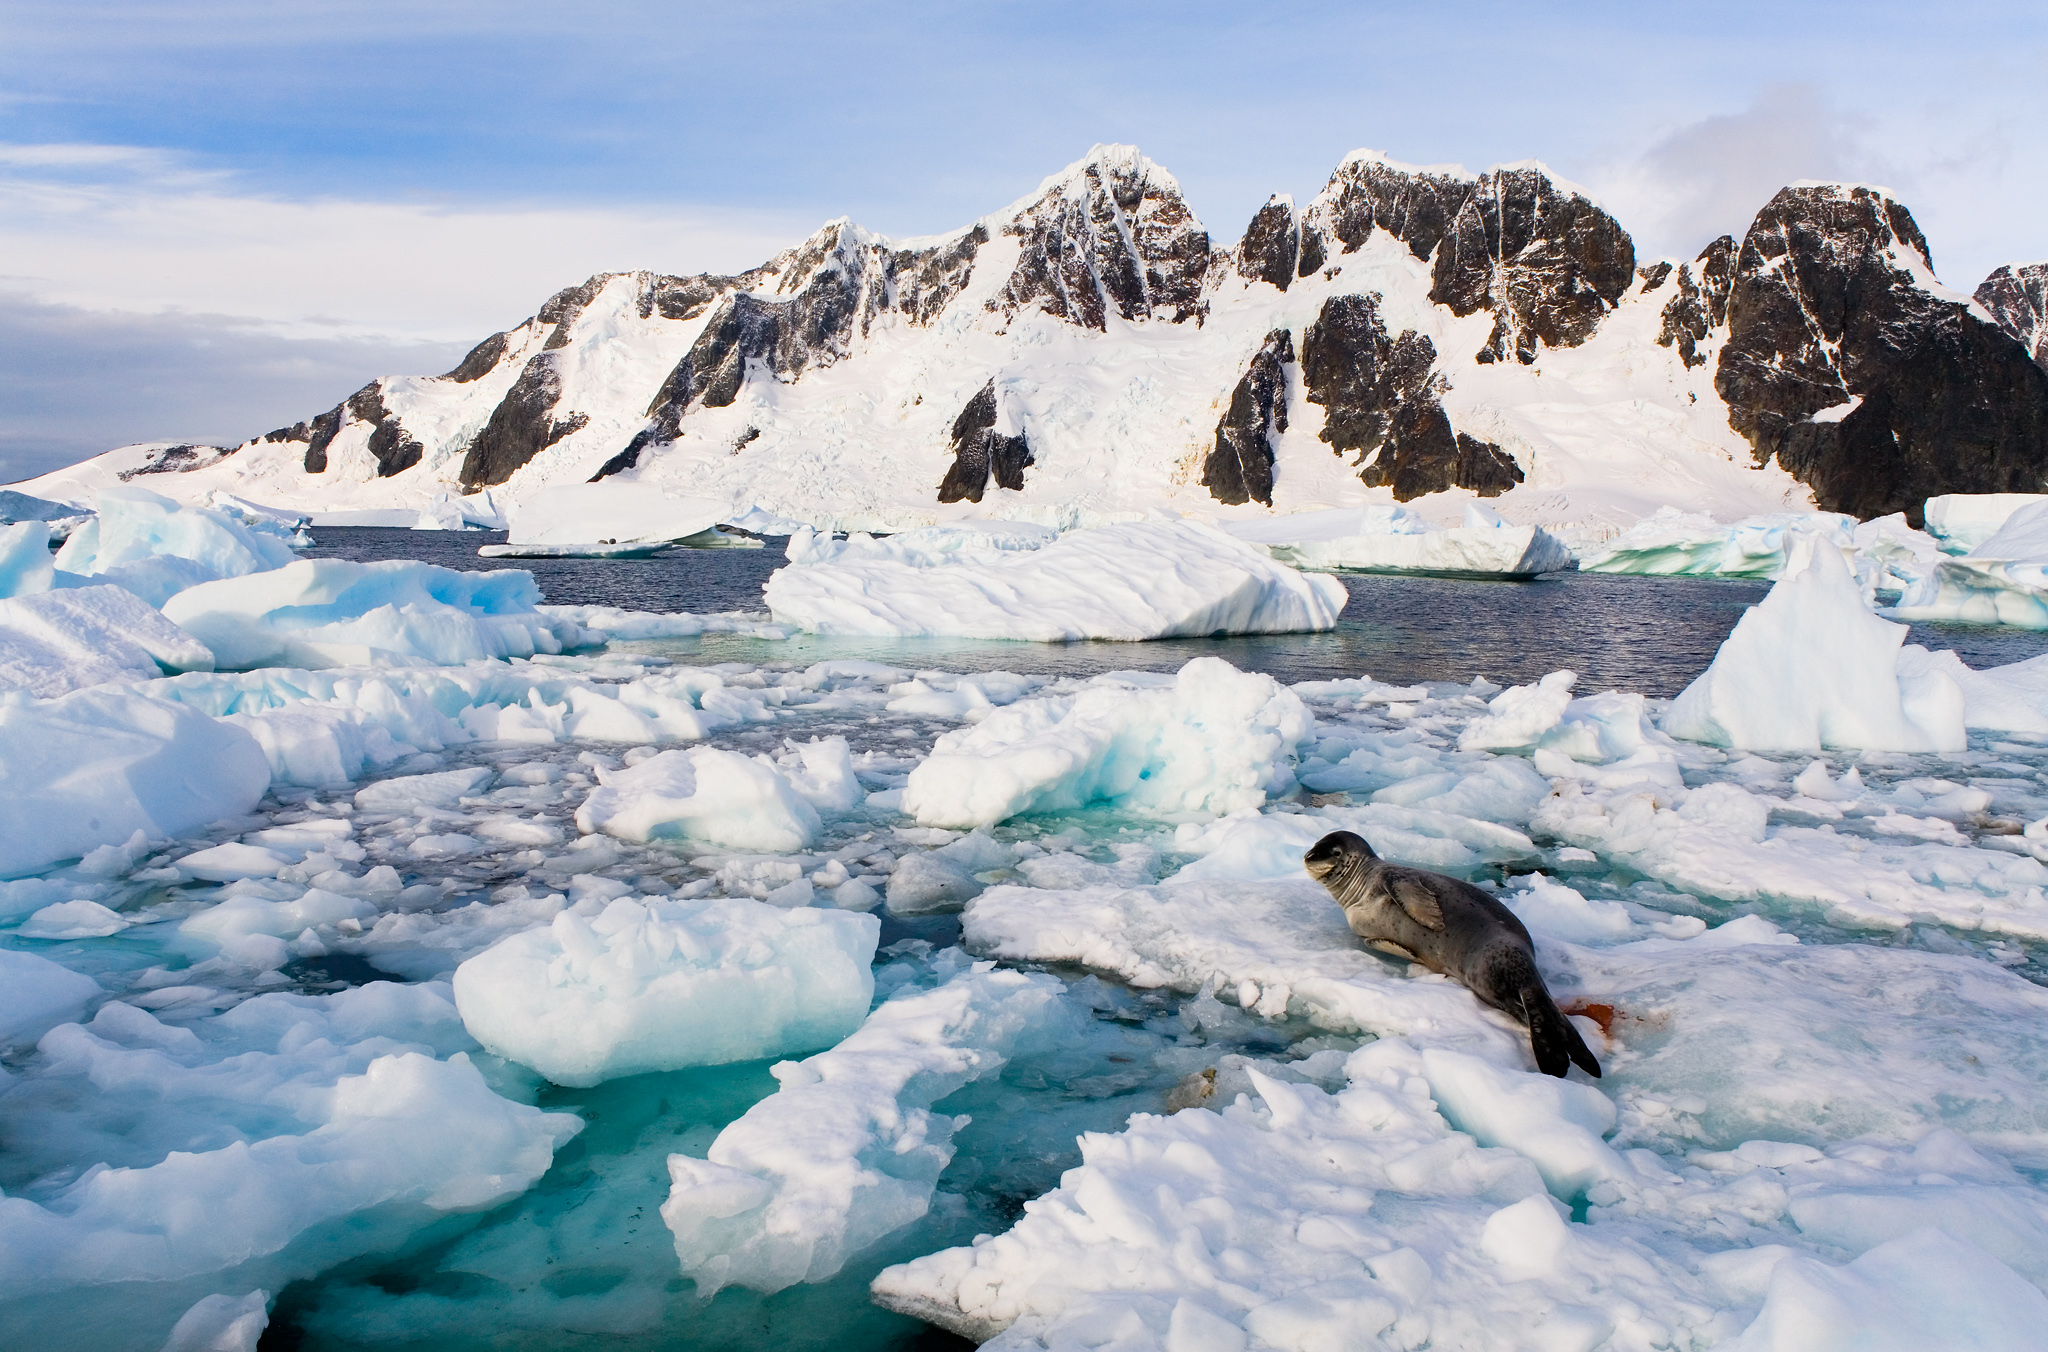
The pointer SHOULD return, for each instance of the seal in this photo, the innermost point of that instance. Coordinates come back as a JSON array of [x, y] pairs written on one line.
[[1450, 927]]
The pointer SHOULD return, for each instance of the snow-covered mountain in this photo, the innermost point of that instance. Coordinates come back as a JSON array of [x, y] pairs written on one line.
[[1424, 335]]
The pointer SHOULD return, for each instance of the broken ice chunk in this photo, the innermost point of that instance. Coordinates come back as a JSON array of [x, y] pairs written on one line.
[[659, 985]]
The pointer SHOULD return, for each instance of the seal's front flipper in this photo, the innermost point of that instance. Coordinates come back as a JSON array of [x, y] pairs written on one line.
[[1552, 1037]]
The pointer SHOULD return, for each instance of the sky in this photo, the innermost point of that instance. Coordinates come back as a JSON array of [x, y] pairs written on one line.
[[218, 218]]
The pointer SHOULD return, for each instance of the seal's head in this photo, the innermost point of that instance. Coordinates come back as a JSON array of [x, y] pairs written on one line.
[[1336, 856]]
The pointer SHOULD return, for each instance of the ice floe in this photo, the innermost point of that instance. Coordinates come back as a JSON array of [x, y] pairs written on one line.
[[1886, 553], [1392, 539], [1145, 580], [658, 985], [333, 612], [602, 520], [2002, 580], [1822, 1104], [1212, 739]]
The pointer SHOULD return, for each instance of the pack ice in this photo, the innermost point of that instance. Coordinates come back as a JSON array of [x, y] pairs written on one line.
[[1144, 580], [260, 1129]]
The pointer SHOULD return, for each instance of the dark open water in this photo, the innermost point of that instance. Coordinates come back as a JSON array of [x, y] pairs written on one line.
[[1650, 635]]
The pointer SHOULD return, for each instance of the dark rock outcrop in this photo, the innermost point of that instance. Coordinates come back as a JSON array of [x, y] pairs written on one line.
[[1240, 468], [981, 452], [521, 426], [2017, 297], [1866, 386], [1701, 304], [1546, 261], [1271, 245], [1381, 406], [174, 460], [1114, 237], [395, 448], [481, 361]]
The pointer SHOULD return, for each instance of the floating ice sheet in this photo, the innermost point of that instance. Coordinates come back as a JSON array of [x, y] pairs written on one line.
[[331, 612], [1145, 580]]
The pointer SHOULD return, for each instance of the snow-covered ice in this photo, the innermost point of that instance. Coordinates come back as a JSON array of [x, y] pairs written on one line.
[[54, 642], [1212, 739], [260, 1129], [704, 794], [156, 548], [333, 612], [656, 984], [1144, 580], [88, 769], [1816, 978]]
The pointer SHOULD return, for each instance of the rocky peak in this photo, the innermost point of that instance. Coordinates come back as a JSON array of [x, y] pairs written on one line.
[[1271, 246], [1544, 257], [2017, 297], [1847, 361], [1110, 234], [1700, 305]]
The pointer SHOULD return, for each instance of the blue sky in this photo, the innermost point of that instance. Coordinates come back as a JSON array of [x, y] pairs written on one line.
[[219, 217]]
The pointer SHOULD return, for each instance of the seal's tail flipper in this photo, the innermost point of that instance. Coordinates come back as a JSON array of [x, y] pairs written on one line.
[[1552, 1037]]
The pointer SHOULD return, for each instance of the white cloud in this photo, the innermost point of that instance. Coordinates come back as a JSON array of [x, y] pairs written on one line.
[[118, 228], [1711, 177]]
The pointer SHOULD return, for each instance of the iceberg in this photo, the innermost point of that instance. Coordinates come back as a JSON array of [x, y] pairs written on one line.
[[1396, 540], [1810, 667], [848, 1149], [1964, 521], [331, 612], [719, 797], [608, 519], [156, 548], [1212, 740], [2004, 580], [92, 768], [1143, 580], [655, 984], [55, 642]]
